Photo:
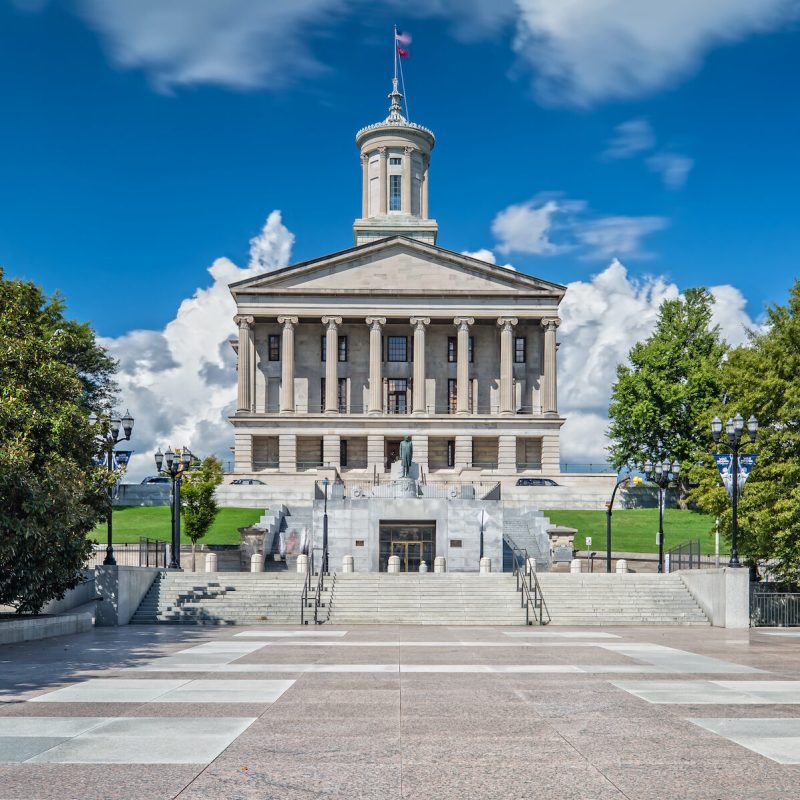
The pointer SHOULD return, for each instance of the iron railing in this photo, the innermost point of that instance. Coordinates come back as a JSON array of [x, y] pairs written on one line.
[[144, 553], [152, 553], [592, 468], [306, 601], [528, 586], [772, 608], [687, 555]]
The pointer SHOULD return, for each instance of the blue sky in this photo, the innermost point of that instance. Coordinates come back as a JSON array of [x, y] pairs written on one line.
[[142, 140]]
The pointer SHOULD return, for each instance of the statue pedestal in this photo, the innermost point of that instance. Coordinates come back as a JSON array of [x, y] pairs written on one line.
[[404, 487], [396, 472]]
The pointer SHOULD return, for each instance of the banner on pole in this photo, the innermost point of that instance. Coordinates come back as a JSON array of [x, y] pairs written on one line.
[[122, 457], [724, 463]]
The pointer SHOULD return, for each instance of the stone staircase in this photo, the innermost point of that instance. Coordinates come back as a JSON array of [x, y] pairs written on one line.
[[222, 599], [626, 599], [449, 599]]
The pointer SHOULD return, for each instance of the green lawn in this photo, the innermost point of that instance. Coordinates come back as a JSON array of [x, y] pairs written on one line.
[[634, 530], [131, 522]]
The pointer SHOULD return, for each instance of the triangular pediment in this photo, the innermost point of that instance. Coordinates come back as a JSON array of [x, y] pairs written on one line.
[[397, 265]]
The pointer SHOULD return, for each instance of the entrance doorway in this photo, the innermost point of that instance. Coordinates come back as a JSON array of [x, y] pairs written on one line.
[[391, 452], [412, 542]]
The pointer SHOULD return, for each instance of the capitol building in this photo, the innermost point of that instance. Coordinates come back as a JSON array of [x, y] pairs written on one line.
[[340, 357]]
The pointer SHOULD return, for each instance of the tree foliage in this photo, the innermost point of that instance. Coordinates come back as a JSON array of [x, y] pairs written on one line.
[[198, 502], [52, 375], [660, 400], [763, 378]]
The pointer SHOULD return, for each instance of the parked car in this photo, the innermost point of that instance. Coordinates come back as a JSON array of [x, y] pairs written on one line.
[[247, 482], [536, 482], [156, 479]]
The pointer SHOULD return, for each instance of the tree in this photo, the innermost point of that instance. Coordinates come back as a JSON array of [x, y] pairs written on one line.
[[660, 401], [763, 378], [198, 503], [52, 493]]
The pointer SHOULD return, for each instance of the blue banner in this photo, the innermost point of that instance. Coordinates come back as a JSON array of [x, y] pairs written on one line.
[[724, 463], [122, 457]]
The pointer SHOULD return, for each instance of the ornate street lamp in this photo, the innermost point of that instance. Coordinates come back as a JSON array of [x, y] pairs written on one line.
[[734, 428], [108, 442], [174, 464], [609, 506], [661, 473]]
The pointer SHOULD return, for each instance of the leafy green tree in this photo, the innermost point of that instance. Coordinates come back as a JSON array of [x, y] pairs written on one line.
[[198, 503], [52, 375], [763, 378], [661, 399]]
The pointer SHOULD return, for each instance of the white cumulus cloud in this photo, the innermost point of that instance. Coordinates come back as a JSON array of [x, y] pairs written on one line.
[[180, 382], [484, 254], [602, 318]]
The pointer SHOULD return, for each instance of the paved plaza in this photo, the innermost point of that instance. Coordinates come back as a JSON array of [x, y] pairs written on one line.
[[150, 713]]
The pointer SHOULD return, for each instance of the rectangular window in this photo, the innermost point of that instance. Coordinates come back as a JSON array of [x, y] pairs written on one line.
[[274, 347], [519, 349], [342, 395], [342, 348], [452, 395], [395, 192], [451, 452], [323, 346], [398, 348], [395, 162], [342, 452], [471, 349], [451, 349], [322, 394], [397, 395]]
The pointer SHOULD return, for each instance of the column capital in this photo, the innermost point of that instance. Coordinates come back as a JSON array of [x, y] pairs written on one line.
[[287, 322], [463, 323], [409, 150], [382, 150], [507, 323], [332, 322], [376, 323], [364, 158], [550, 322], [420, 322], [244, 321]]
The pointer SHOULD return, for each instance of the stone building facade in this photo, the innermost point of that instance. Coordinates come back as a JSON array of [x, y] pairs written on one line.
[[341, 356]]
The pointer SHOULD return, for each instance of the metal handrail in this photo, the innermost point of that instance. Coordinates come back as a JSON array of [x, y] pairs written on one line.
[[528, 586]]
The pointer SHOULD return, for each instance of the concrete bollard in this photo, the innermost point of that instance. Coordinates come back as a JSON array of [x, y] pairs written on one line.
[[575, 565], [302, 563], [211, 562], [622, 566], [348, 564], [394, 565], [439, 565], [256, 563], [531, 565], [486, 565], [423, 567]]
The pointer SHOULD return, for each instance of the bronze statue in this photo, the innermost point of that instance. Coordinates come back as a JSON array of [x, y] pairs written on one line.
[[406, 454]]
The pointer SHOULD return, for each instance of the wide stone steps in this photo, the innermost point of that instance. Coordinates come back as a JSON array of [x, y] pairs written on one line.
[[450, 599], [627, 599], [222, 599]]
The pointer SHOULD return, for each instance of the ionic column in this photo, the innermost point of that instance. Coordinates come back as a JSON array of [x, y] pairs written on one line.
[[550, 399], [332, 364], [426, 166], [418, 398], [287, 364], [375, 377], [364, 185], [506, 364], [406, 198], [383, 180], [244, 372], [462, 367]]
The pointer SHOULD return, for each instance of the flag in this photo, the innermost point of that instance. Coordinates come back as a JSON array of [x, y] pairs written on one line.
[[402, 41], [403, 53]]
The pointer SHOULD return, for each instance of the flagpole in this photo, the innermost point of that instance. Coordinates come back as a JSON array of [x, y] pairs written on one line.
[[394, 48]]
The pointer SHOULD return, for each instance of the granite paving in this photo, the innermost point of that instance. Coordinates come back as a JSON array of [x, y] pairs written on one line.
[[151, 712]]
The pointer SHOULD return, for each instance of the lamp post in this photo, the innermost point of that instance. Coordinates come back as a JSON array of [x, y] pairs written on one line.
[[325, 483], [174, 464], [109, 441], [734, 428], [662, 474], [609, 507]]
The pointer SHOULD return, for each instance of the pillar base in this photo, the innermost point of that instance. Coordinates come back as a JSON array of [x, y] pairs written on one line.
[[374, 413], [286, 411], [331, 413]]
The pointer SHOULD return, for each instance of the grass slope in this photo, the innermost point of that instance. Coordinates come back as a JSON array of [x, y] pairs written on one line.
[[131, 522], [634, 530]]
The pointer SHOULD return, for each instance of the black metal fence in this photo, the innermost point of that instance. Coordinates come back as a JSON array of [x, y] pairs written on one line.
[[687, 555], [771, 606], [152, 553], [144, 553]]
